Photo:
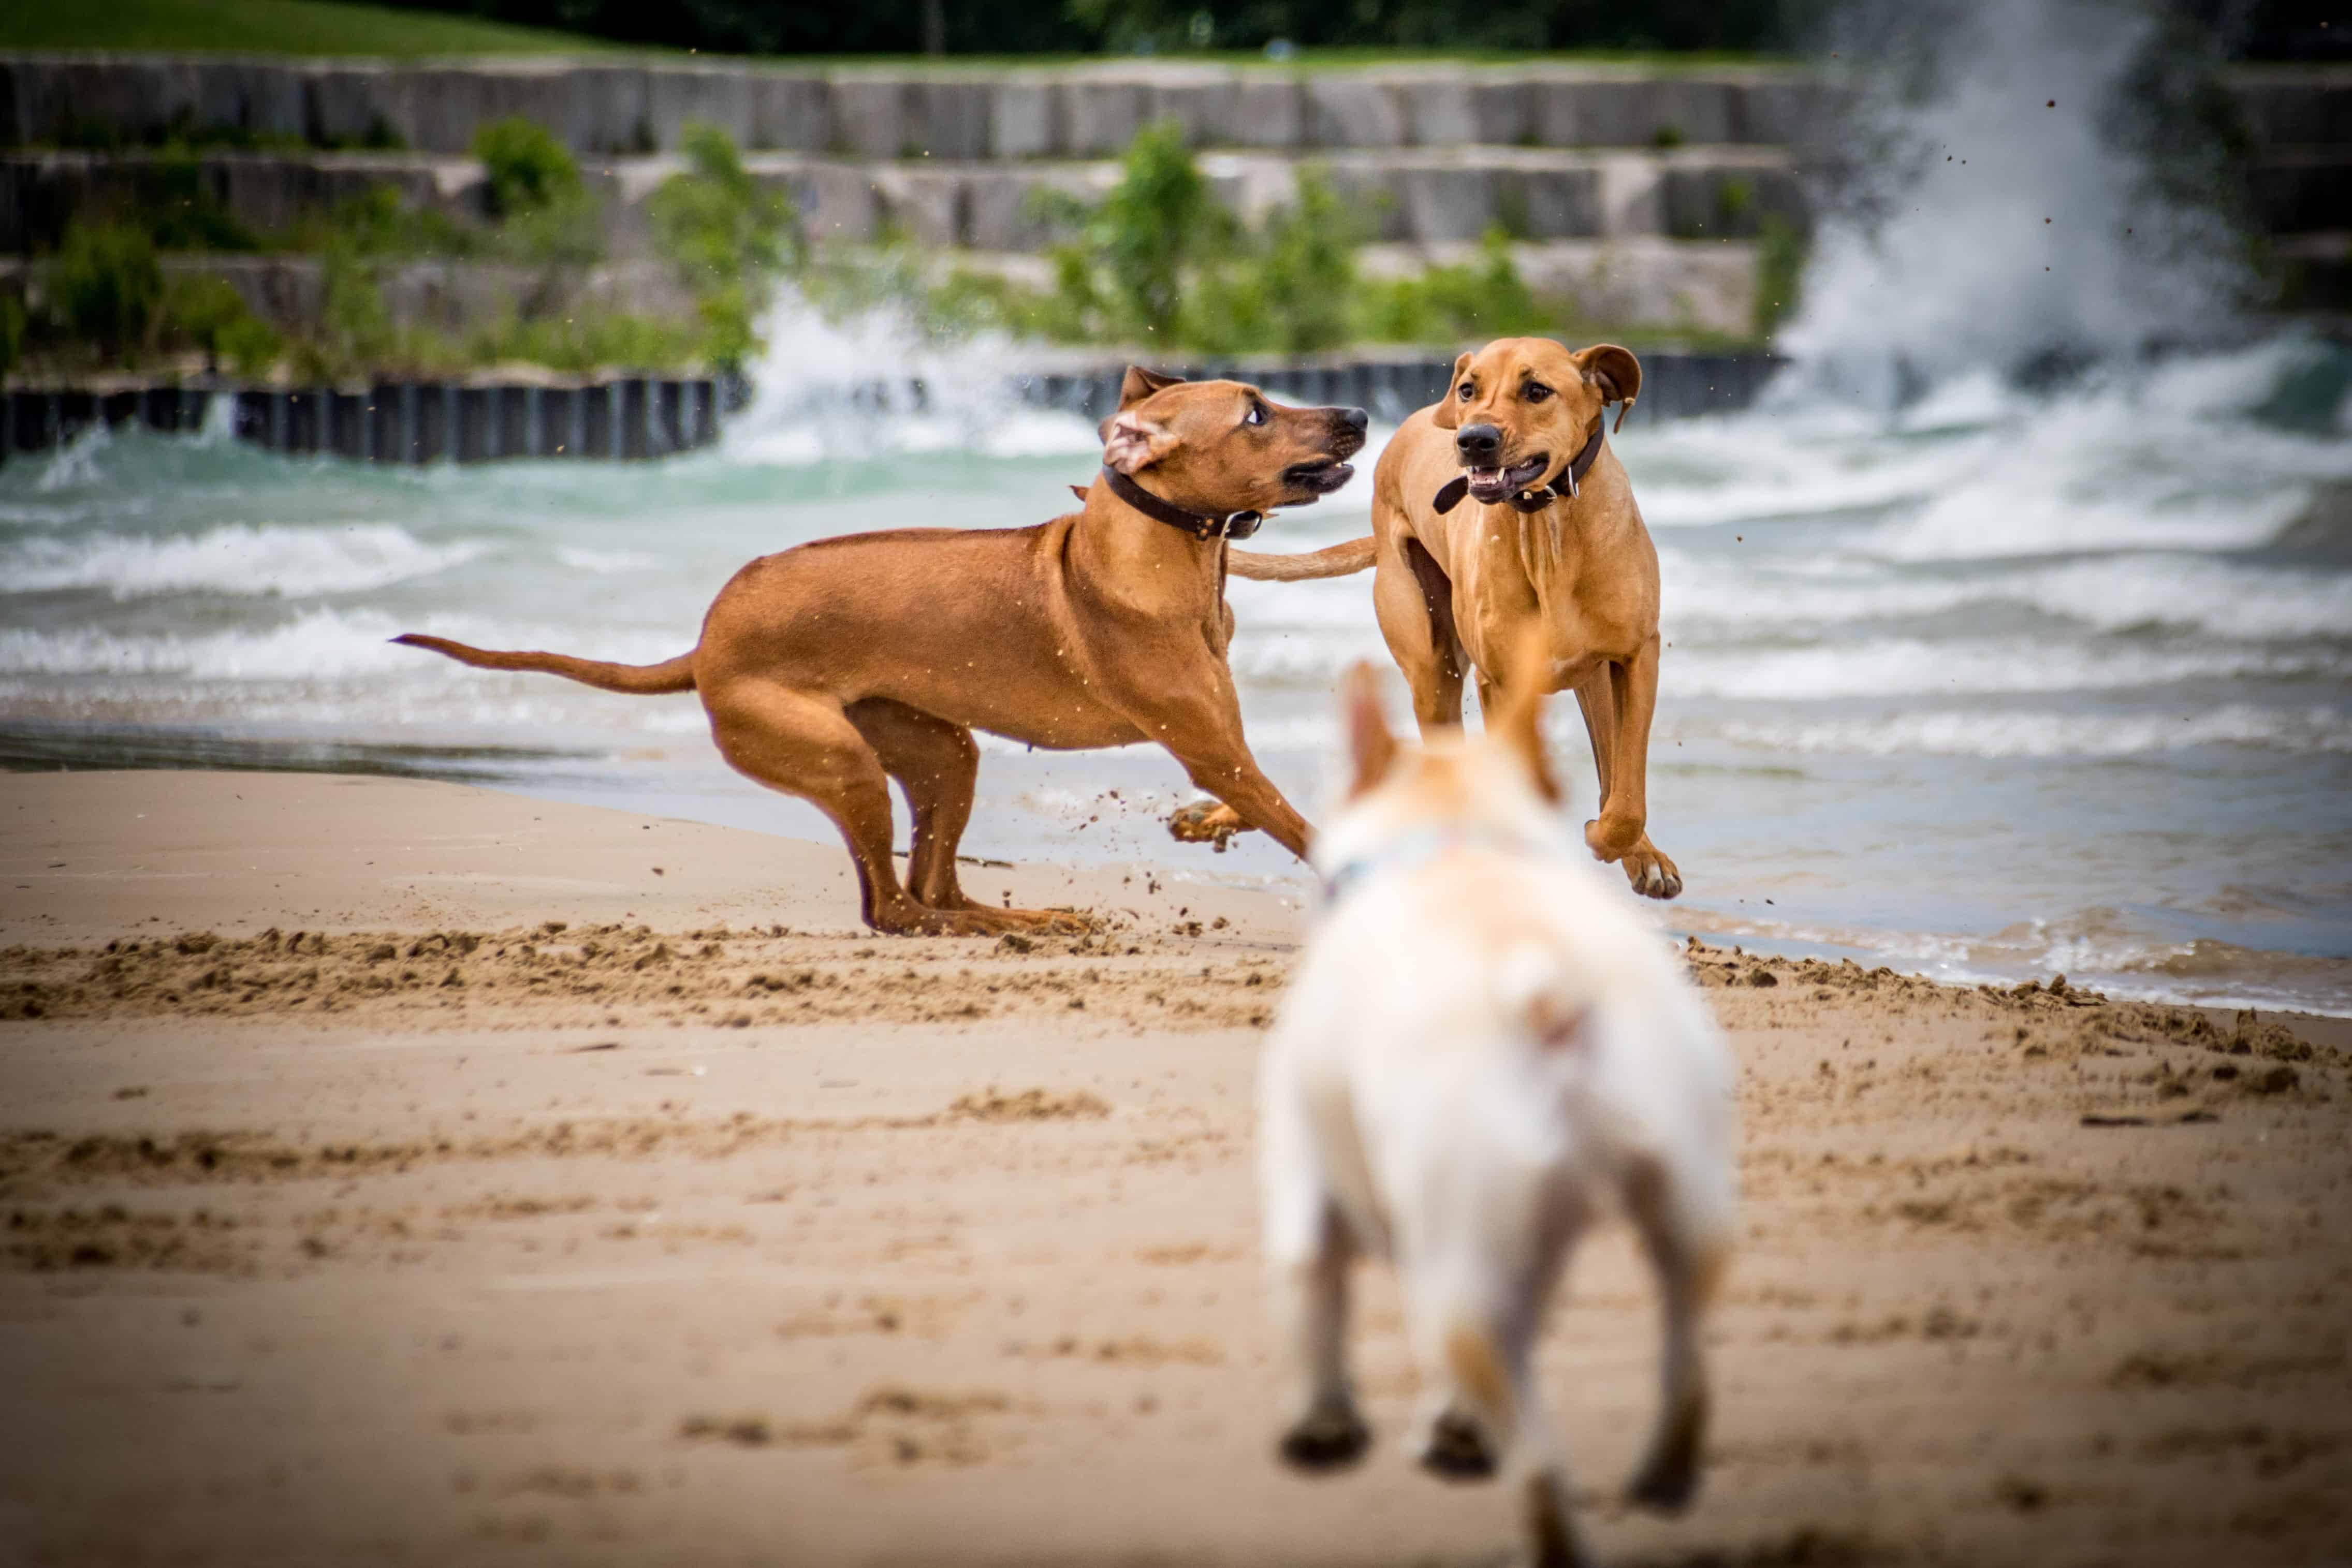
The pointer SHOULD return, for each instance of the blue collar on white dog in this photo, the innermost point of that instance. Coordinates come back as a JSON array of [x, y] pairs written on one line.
[[1417, 848]]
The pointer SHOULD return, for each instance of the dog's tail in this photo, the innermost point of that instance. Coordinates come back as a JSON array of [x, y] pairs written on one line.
[[639, 679], [1338, 560]]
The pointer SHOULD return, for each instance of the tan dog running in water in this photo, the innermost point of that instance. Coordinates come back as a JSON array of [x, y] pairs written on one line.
[[831, 669], [1478, 532], [1485, 1050]]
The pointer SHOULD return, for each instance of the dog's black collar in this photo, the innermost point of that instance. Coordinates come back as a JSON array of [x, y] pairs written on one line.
[[1450, 494], [1235, 526]]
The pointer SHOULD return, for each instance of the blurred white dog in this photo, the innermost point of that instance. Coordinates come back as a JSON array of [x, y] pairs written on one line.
[[1485, 1050]]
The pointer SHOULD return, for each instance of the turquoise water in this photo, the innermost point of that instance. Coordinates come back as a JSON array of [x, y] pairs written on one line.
[[2000, 683]]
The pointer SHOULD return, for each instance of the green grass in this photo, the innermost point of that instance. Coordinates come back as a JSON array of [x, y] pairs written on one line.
[[325, 27], [272, 27]]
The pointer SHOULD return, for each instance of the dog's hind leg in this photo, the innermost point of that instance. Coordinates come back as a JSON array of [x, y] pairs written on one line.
[[1308, 1250], [937, 765], [806, 746], [1492, 1415], [1687, 1244]]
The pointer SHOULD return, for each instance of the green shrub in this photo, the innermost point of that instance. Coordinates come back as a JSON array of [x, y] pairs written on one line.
[[1780, 251], [182, 212], [105, 286], [528, 168], [200, 310], [1482, 299], [249, 346], [1309, 267], [1157, 220], [729, 237], [12, 332]]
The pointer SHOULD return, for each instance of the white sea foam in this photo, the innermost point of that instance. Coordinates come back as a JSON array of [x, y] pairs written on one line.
[[2003, 733], [317, 646], [1711, 598], [274, 561]]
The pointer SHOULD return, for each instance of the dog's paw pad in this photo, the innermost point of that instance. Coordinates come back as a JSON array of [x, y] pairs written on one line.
[[1664, 1487], [1205, 822], [1457, 1450], [1326, 1440]]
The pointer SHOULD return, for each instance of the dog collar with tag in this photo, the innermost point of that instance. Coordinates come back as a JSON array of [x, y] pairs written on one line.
[[1535, 499], [1233, 525], [1415, 850]]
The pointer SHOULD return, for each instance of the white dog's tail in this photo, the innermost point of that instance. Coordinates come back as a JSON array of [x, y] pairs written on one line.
[[1538, 992]]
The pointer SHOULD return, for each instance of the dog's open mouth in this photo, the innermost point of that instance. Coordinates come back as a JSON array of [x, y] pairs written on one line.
[[1319, 477], [1495, 484]]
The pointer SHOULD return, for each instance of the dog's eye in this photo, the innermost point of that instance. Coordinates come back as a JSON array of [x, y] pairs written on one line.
[[1464, 391], [1535, 391], [1256, 414]]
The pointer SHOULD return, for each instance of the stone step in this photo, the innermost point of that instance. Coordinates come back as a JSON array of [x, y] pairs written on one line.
[[613, 105], [1426, 195], [620, 104]]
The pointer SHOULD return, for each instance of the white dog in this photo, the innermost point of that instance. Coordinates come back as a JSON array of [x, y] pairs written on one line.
[[1485, 1050]]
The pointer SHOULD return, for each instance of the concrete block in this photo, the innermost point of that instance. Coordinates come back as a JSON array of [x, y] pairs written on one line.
[[1633, 194], [790, 111], [870, 116], [2294, 105], [1780, 113], [1447, 202], [1691, 109], [1370, 189], [927, 205], [1268, 111], [1202, 102], [837, 201], [1728, 200], [1004, 207], [948, 118], [1024, 118], [678, 95], [263, 97], [349, 105], [607, 109], [1552, 201], [1103, 114], [1502, 110], [1353, 110], [1441, 109]]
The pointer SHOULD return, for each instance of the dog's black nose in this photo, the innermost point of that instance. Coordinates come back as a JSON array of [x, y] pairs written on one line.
[[1356, 419], [1478, 443]]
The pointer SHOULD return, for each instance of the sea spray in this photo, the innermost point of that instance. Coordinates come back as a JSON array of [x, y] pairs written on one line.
[[2034, 184]]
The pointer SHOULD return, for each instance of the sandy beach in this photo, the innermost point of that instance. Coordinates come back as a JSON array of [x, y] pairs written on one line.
[[399, 1171]]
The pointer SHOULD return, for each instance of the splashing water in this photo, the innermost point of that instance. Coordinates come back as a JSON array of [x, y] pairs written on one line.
[[2013, 207]]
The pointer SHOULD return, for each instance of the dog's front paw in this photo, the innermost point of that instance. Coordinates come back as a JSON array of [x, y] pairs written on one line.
[[1327, 1437], [1206, 822], [1652, 874], [1456, 1449]]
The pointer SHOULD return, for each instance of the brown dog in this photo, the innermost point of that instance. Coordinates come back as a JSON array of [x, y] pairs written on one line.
[[831, 669], [1500, 506]]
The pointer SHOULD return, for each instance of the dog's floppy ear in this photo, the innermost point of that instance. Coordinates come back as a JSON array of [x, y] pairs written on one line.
[[1615, 371], [1518, 719], [1131, 442], [1371, 749], [1448, 413], [1139, 384]]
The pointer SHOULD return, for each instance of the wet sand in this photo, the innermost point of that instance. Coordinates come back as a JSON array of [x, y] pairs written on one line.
[[398, 1171]]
